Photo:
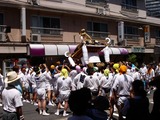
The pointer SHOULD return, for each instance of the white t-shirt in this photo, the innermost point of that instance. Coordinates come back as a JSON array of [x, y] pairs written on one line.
[[11, 99]]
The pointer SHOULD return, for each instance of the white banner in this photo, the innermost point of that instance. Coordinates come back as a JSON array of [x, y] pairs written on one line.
[[120, 31]]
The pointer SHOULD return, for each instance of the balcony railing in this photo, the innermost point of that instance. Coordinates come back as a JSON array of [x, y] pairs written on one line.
[[131, 37], [46, 31], [129, 8], [97, 34]]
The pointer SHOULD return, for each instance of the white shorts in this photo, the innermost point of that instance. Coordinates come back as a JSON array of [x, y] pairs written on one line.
[[48, 87], [34, 88], [41, 93], [63, 97]]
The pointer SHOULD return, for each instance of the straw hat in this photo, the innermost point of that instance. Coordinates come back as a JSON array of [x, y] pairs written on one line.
[[12, 77]]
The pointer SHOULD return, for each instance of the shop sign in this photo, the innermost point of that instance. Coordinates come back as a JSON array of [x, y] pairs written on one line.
[[120, 31], [147, 33], [138, 49]]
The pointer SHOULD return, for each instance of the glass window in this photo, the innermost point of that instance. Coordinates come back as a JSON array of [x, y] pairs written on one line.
[[45, 25], [131, 33], [96, 29], [131, 30], [129, 5], [130, 2], [158, 33], [1, 19]]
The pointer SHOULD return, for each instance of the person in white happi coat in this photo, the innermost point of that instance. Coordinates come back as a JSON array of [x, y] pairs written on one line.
[[73, 72], [48, 79], [149, 76], [64, 86], [78, 80], [92, 82], [143, 71], [33, 87], [105, 82], [53, 82], [136, 74], [41, 90], [121, 88], [25, 85], [98, 71], [115, 73]]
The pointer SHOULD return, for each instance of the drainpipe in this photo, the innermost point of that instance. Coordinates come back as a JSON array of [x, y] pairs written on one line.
[[23, 24]]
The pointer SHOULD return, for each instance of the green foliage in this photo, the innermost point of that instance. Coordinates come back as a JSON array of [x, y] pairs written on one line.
[[132, 58]]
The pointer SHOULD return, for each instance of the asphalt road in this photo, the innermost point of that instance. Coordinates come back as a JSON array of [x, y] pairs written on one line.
[[30, 112]]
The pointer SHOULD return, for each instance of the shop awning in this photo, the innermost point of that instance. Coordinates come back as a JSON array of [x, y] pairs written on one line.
[[36, 50], [52, 50], [116, 51], [62, 49]]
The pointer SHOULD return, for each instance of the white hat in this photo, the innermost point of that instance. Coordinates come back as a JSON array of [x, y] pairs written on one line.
[[11, 77]]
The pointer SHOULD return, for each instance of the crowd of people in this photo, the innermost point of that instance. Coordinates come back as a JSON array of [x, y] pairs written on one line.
[[87, 90]]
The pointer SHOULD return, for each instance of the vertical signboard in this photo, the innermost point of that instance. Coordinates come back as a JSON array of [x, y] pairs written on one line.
[[146, 33], [120, 31]]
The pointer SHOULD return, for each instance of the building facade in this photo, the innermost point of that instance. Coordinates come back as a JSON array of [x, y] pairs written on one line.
[[153, 8], [42, 30]]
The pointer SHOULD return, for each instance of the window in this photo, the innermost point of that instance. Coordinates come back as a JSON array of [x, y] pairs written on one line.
[[130, 5], [157, 36], [1, 22], [96, 29], [97, 2], [45, 25], [158, 33], [1, 18], [131, 33]]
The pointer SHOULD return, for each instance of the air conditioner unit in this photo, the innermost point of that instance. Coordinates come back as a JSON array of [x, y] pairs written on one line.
[[35, 2], [35, 38], [100, 11], [2, 37]]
